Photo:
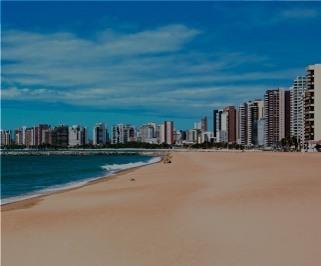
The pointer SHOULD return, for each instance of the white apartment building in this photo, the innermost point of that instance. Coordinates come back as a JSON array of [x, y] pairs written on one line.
[[160, 133], [242, 124], [206, 136], [147, 133], [260, 132], [223, 133], [297, 108], [77, 136], [248, 116], [194, 136]]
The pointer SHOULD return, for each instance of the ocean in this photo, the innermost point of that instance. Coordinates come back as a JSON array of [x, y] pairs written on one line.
[[28, 176]]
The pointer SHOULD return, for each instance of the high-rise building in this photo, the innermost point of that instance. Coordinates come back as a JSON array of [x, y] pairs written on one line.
[[40, 135], [6, 138], [77, 136], [29, 137], [285, 114], [179, 137], [277, 116], [99, 134], [230, 112], [206, 136], [297, 108], [223, 133], [147, 133], [46, 136], [242, 124], [312, 106], [161, 133], [194, 136], [168, 132], [260, 132], [158, 133], [217, 125], [19, 134], [249, 114], [59, 136], [271, 128], [123, 133], [215, 113], [204, 126], [255, 111]]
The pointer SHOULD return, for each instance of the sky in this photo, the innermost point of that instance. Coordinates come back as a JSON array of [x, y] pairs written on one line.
[[136, 62]]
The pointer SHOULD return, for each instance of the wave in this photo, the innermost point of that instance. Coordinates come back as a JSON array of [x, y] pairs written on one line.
[[51, 189], [111, 169]]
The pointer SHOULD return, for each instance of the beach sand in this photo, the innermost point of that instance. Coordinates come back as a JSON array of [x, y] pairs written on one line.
[[205, 208]]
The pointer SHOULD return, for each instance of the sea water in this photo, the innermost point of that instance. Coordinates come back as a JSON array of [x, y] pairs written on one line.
[[28, 176]]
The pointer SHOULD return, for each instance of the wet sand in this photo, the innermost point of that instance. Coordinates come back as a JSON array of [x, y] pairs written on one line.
[[205, 208]]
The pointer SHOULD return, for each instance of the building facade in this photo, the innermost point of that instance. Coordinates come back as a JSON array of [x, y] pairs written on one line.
[[260, 132], [231, 124], [276, 116], [100, 134], [6, 137], [59, 136], [40, 134], [217, 125], [29, 137], [19, 136], [297, 108], [77, 136], [312, 106], [147, 133], [215, 114], [193, 136], [168, 132], [123, 133], [242, 124], [249, 114]]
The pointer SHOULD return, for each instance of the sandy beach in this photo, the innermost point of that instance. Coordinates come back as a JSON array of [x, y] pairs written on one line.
[[205, 208]]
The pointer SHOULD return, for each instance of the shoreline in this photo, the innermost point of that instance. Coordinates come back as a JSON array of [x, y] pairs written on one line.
[[21, 203], [29, 202]]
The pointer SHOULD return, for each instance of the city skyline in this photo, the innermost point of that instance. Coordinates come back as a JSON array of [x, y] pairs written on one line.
[[285, 117], [209, 126], [177, 62]]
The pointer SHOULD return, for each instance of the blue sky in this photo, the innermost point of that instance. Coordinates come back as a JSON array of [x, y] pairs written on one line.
[[134, 62]]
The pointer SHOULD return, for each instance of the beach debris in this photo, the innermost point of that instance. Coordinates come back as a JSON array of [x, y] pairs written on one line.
[[132, 179]]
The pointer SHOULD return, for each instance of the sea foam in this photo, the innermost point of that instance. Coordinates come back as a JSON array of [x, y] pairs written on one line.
[[118, 167]]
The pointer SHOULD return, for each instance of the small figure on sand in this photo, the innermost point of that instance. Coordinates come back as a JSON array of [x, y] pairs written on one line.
[[167, 158]]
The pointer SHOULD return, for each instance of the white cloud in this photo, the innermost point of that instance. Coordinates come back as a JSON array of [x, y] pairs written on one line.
[[148, 69]]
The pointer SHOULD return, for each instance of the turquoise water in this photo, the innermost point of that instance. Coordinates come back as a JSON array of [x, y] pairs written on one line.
[[27, 176]]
